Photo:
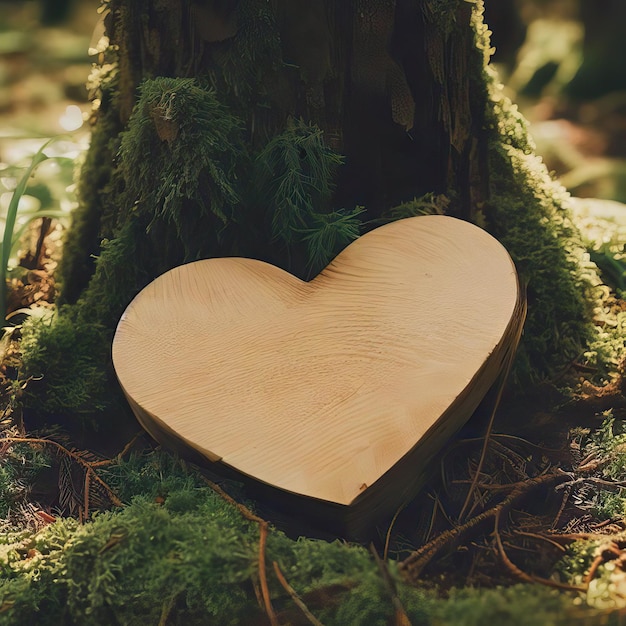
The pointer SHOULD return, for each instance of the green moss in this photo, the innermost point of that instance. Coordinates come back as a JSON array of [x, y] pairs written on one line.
[[193, 558], [189, 557], [67, 364], [181, 160], [528, 212], [91, 221], [520, 605], [527, 215]]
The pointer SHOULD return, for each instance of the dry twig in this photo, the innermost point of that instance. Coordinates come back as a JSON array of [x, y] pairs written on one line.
[[269, 609], [518, 573], [295, 597], [263, 525], [415, 563], [401, 618]]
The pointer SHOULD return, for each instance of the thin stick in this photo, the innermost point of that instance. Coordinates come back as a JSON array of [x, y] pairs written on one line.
[[265, 592], [119, 456], [566, 494], [594, 568], [542, 538], [401, 618], [295, 597], [245, 511], [250, 516], [518, 573], [86, 502], [587, 536], [388, 535], [492, 418]]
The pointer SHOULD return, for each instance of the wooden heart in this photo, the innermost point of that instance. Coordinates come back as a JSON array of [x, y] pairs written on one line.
[[340, 389]]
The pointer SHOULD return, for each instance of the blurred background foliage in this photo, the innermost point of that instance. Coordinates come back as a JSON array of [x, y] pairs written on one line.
[[562, 62]]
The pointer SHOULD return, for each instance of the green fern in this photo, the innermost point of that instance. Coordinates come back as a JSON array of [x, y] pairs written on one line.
[[328, 234], [295, 177]]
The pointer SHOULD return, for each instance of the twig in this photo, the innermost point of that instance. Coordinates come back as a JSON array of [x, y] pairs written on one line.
[[542, 538], [415, 563], [597, 481], [518, 573], [401, 618], [119, 456], [388, 535], [433, 517], [245, 511], [295, 597], [168, 605], [566, 494], [594, 568], [610, 552], [583, 536], [263, 576], [492, 417], [86, 501]]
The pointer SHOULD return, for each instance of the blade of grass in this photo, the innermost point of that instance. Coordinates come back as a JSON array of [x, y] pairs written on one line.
[[9, 226]]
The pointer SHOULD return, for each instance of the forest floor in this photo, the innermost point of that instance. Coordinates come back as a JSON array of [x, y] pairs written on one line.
[[554, 469]]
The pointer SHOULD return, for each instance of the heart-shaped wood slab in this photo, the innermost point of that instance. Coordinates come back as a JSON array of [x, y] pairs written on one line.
[[340, 389]]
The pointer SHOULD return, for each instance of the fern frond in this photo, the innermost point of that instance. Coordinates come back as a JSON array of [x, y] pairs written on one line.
[[70, 495], [295, 177], [328, 234], [428, 204]]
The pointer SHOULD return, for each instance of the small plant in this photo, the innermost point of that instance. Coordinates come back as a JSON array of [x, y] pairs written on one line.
[[15, 227], [295, 176]]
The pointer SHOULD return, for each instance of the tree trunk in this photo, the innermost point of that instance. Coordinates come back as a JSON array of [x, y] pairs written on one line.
[[281, 129]]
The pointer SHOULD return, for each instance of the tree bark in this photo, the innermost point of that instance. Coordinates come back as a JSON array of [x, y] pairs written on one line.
[[394, 85]]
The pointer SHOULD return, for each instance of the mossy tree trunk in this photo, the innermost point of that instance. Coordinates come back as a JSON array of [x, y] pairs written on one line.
[[281, 129], [395, 86]]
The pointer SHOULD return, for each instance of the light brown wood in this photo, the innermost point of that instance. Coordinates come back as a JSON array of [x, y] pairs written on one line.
[[332, 388]]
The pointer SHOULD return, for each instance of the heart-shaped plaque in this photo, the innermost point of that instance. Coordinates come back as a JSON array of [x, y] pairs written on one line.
[[337, 391]]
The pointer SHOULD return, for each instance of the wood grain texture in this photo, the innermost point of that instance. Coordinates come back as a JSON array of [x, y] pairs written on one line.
[[321, 388]]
